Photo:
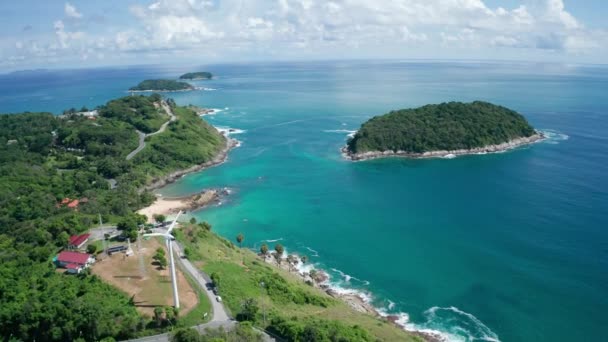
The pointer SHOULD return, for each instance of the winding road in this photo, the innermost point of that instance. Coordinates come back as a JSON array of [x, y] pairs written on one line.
[[143, 136]]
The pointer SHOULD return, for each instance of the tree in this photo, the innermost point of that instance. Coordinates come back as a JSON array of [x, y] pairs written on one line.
[[215, 278], [91, 249], [160, 258], [158, 315], [279, 252], [187, 253], [160, 218], [264, 249], [162, 262], [193, 220], [205, 225], [249, 308], [185, 335], [171, 314], [63, 238], [239, 239]]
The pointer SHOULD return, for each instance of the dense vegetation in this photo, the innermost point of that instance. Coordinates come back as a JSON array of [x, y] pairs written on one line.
[[187, 141], [203, 75], [243, 332], [161, 85], [446, 126], [45, 158], [140, 111], [275, 300]]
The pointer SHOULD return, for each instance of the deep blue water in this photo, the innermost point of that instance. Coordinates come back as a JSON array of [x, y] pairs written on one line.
[[510, 246]]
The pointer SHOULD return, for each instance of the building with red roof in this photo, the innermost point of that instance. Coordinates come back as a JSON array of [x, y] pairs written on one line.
[[73, 204], [77, 241], [74, 262]]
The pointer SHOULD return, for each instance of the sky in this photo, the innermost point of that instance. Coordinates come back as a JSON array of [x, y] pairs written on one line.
[[85, 33]]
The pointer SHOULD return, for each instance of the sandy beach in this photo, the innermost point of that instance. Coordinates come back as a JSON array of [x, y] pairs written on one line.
[[169, 206]]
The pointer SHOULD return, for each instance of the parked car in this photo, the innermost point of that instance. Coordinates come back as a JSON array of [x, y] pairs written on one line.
[[219, 299]]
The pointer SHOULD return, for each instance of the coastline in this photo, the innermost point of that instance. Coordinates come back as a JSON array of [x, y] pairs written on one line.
[[355, 299], [509, 145], [174, 176]]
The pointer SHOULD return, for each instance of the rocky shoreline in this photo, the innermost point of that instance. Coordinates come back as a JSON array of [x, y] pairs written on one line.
[[174, 176], [354, 299], [539, 136]]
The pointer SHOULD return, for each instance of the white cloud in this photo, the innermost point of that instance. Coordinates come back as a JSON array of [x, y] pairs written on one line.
[[324, 28], [71, 12]]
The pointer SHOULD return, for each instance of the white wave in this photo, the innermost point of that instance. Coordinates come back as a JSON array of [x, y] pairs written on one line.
[[316, 254], [449, 156], [350, 133], [391, 305], [346, 277], [554, 137], [365, 296], [227, 131], [453, 324], [275, 240], [205, 89]]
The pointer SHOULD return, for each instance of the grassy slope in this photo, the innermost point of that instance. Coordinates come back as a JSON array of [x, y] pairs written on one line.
[[241, 270], [186, 142]]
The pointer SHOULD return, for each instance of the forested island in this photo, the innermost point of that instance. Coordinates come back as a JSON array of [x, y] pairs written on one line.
[[46, 159], [203, 75], [161, 85], [440, 130]]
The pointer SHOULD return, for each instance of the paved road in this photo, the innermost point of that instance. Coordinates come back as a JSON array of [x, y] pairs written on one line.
[[142, 144], [219, 312], [143, 136]]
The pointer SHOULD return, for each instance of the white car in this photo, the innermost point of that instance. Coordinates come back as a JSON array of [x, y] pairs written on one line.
[[219, 299]]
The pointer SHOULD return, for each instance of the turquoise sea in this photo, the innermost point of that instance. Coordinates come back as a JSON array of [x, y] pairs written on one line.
[[510, 246]]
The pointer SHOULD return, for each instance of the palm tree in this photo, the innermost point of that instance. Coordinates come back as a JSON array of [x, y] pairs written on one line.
[[239, 239], [264, 250], [279, 252]]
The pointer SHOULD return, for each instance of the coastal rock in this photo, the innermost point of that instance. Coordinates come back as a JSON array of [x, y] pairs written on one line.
[[443, 154]]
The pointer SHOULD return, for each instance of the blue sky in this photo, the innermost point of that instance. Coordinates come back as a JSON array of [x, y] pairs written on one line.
[[81, 33]]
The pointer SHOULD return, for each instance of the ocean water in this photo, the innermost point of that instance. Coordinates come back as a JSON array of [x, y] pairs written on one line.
[[510, 246]]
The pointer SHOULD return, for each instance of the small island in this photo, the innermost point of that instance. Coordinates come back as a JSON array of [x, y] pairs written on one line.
[[203, 75], [162, 85], [441, 130]]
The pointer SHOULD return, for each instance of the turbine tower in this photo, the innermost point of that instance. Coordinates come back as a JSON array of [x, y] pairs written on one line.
[[169, 240]]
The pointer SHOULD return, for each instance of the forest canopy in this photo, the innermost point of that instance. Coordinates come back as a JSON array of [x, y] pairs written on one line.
[[446, 126]]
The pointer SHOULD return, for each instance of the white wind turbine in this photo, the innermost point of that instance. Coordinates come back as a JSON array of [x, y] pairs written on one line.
[[169, 240]]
